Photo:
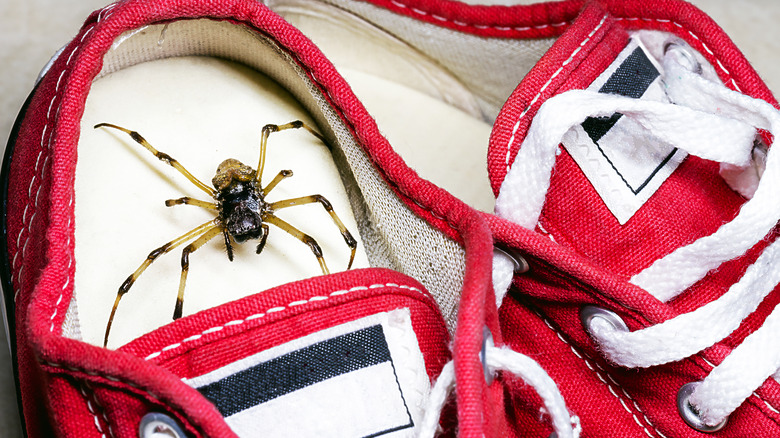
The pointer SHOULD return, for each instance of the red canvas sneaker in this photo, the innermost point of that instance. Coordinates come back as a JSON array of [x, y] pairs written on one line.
[[634, 176], [103, 179]]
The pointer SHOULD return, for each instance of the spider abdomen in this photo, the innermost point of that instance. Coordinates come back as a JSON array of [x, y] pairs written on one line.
[[241, 210]]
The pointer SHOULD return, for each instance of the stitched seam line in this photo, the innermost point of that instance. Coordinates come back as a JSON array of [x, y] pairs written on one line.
[[273, 310], [102, 376], [70, 261], [769, 406], [70, 265], [34, 201], [477, 26], [91, 407], [693, 35], [117, 380], [214, 329], [610, 382], [92, 411], [719, 64], [351, 124], [547, 84]]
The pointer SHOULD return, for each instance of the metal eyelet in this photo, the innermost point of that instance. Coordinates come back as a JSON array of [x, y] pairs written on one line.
[[589, 313], [157, 425], [487, 341], [520, 264], [689, 413], [682, 53]]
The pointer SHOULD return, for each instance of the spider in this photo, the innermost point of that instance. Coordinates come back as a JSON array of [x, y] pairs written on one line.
[[242, 212]]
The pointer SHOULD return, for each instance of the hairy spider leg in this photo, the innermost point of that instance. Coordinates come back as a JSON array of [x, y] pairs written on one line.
[[263, 238], [300, 235], [228, 243], [351, 242], [168, 247], [162, 156], [191, 201], [212, 232], [186, 200], [266, 132], [277, 179]]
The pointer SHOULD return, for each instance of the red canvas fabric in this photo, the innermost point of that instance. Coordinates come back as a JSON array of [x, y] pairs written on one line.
[[538, 20], [70, 388], [73, 389], [581, 255]]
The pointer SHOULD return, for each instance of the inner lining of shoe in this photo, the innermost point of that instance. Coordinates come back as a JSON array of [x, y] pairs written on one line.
[[457, 82], [473, 73], [201, 90]]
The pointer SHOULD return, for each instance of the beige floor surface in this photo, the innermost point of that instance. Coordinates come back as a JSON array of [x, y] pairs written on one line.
[[32, 30]]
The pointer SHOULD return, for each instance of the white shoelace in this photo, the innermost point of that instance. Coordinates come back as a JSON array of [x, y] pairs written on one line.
[[504, 359], [712, 122]]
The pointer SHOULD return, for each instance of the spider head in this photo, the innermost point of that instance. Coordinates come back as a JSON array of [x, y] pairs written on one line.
[[230, 171]]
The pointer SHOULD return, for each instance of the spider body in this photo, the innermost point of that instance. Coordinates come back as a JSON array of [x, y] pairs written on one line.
[[242, 212], [240, 203]]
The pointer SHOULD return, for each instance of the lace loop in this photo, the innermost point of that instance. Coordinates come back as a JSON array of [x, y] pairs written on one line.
[[710, 121], [527, 369], [709, 136], [504, 359]]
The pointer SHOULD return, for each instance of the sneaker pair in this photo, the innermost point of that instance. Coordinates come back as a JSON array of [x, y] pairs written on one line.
[[586, 232]]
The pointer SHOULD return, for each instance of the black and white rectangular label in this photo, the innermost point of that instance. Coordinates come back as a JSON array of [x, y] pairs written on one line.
[[366, 378], [623, 162]]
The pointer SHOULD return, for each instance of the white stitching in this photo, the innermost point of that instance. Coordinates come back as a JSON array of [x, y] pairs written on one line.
[[771, 408], [83, 389], [70, 265], [544, 87], [601, 373], [92, 411], [275, 310], [546, 233], [477, 26], [696, 37], [27, 227], [706, 48], [106, 9], [403, 191]]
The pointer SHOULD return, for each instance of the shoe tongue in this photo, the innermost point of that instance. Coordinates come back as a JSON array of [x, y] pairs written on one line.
[[618, 196], [351, 354]]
